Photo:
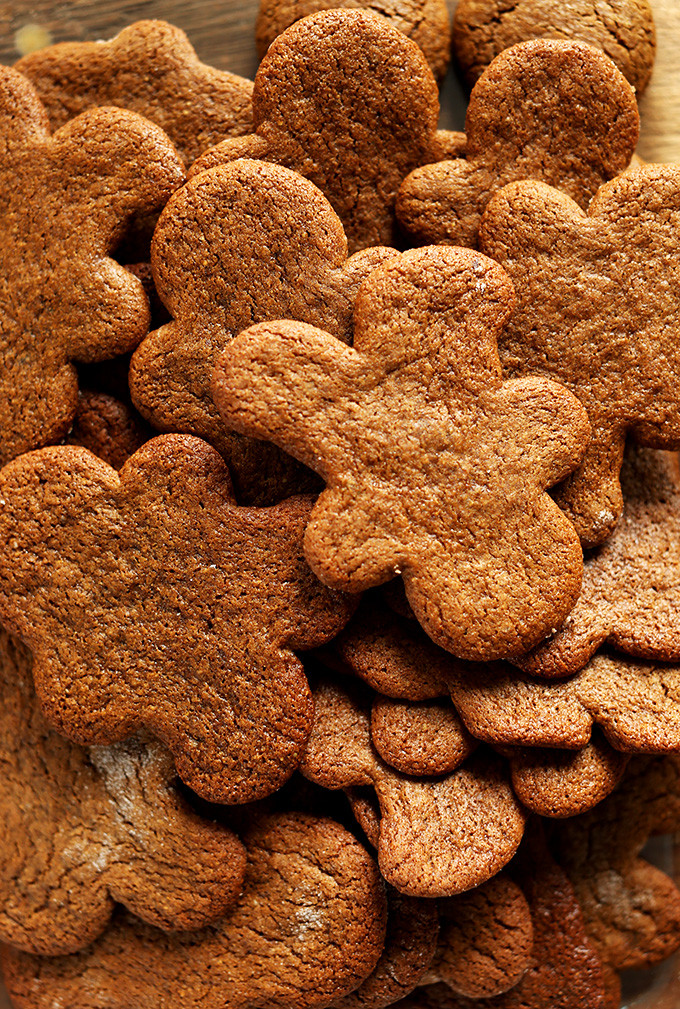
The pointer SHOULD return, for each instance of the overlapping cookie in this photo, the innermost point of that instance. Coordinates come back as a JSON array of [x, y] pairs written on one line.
[[151, 600], [83, 829], [151, 68], [555, 111], [66, 200], [598, 311], [307, 929], [426, 22], [434, 837], [436, 469], [349, 102], [108, 427], [624, 31], [241, 244]]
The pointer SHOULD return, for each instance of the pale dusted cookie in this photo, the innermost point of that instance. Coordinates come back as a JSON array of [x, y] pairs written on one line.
[[65, 201], [426, 22], [82, 829], [543, 110], [435, 468], [151, 68], [308, 928], [616, 349], [150, 599], [623, 29]]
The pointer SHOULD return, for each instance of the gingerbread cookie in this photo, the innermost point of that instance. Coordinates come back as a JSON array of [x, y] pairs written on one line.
[[425, 738], [349, 102], [107, 427], [435, 468], [630, 597], [623, 30], [150, 68], [271, 225], [436, 837], [65, 201], [426, 22], [307, 929], [556, 111], [83, 829], [150, 599], [618, 354]]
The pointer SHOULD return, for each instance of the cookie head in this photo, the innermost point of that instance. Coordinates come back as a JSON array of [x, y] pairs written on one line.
[[416, 434]]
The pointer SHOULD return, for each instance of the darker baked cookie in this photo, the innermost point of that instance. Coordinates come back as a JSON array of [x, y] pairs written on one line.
[[107, 427]]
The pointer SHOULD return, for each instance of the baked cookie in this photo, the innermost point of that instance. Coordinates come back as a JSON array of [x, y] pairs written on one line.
[[349, 102], [151, 68], [108, 427], [422, 738], [615, 349], [426, 22], [151, 600], [435, 468], [64, 203], [307, 929], [624, 30], [244, 220], [559, 112]]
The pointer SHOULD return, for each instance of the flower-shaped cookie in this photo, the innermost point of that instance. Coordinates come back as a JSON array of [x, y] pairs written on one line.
[[150, 68], [435, 467], [307, 928], [599, 311], [64, 203], [556, 111], [244, 243], [630, 597], [349, 102], [81, 829], [149, 599]]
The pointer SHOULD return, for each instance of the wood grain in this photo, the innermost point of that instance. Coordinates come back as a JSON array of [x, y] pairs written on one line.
[[660, 105]]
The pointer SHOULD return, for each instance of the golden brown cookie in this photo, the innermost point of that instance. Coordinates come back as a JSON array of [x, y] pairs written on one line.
[[307, 929], [436, 837], [630, 597], [150, 68], [107, 427], [349, 102], [623, 29], [421, 738], [559, 112], [426, 22], [597, 311], [151, 600], [82, 829], [244, 243], [64, 203], [435, 468]]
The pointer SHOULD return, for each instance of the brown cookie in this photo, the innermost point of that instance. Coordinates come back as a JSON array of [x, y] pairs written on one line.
[[107, 427], [559, 112], [150, 68], [486, 939], [436, 837], [631, 908], [624, 30], [150, 599], [426, 22], [410, 944], [307, 929], [65, 201], [349, 102], [435, 468], [82, 829], [614, 348], [422, 738], [630, 597], [245, 220]]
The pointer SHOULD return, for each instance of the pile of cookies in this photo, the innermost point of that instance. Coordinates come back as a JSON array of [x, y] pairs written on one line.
[[339, 517]]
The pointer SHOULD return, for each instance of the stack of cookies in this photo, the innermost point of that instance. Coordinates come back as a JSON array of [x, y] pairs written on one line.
[[339, 518]]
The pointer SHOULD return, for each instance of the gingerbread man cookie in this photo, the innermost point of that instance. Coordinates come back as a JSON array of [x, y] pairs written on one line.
[[150, 68], [150, 599], [559, 112], [108, 427], [65, 201], [436, 469]]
